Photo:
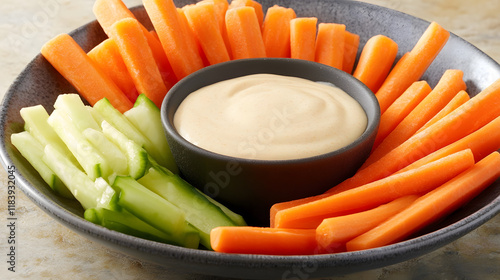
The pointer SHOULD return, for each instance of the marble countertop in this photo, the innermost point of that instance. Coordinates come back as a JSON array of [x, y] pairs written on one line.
[[48, 250]]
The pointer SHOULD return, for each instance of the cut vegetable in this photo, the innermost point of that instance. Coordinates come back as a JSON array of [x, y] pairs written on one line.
[[156, 211], [415, 181], [329, 47], [474, 114], [113, 154], [410, 69], [376, 60], [107, 56], [91, 160], [400, 109], [137, 158], [139, 59], [351, 46], [335, 232], [33, 151], [202, 20], [145, 116], [36, 123], [448, 86], [72, 62], [266, 241], [90, 194], [183, 56], [244, 33], [276, 31], [303, 38], [432, 206], [456, 102], [199, 211]]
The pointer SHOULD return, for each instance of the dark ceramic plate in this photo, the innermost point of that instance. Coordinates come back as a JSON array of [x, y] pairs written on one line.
[[39, 83]]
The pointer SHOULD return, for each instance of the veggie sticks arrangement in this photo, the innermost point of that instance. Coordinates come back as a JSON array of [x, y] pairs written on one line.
[[435, 150]]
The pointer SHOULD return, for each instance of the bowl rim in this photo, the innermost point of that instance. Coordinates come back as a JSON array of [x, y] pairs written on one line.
[[339, 263], [373, 118]]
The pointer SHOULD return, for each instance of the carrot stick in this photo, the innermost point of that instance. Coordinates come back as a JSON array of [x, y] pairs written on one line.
[[351, 46], [482, 142], [220, 8], [186, 29], [376, 60], [108, 12], [413, 67], [459, 99], [401, 108], [266, 241], [107, 56], [432, 206], [474, 114], [138, 58], [415, 181], [448, 86], [249, 3], [244, 33], [276, 31], [339, 230], [303, 38], [329, 48], [182, 54], [73, 63], [203, 22]]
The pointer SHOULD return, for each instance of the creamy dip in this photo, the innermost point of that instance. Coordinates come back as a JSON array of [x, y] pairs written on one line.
[[270, 117]]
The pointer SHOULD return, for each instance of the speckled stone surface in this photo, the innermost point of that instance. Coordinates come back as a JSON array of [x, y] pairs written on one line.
[[48, 250]]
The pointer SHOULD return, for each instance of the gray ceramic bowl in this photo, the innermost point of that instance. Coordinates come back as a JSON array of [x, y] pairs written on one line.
[[39, 83], [251, 187]]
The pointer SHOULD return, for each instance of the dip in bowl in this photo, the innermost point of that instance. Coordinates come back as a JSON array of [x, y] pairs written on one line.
[[251, 185]]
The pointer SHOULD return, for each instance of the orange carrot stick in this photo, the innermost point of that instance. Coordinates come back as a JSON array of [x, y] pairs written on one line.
[[186, 29], [259, 12], [329, 48], [266, 241], [339, 230], [73, 63], [474, 114], [482, 142], [183, 56], [415, 181], [448, 86], [220, 8], [276, 31], [376, 60], [413, 67], [139, 59], [351, 46], [401, 108], [107, 56], [303, 37], [244, 33], [203, 22], [459, 99], [432, 206], [108, 12]]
